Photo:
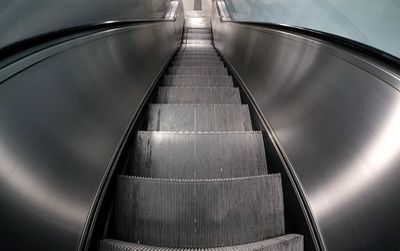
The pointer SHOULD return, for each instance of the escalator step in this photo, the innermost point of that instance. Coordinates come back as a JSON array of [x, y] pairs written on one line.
[[187, 80], [198, 95], [197, 70], [198, 213], [197, 41], [215, 63], [195, 54], [198, 155], [204, 51], [197, 57], [198, 30], [197, 46], [205, 36], [290, 242], [198, 50], [198, 118]]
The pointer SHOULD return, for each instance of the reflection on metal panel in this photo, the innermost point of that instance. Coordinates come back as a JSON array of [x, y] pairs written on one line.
[[21, 19], [371, 22], [61, 121], [336, 117]]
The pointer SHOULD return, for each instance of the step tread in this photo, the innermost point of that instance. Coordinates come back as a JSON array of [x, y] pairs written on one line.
[[189, 117], [187, 80], [196, 70], [199, 213], [290, 242], [213, 63], [198, 155], [198, 95]]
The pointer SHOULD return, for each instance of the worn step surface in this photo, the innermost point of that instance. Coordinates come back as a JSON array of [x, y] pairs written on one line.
[[198, 118], [197, 70], [290, 242], [198, 155], [198, 213], [198, 95], [201, 81]]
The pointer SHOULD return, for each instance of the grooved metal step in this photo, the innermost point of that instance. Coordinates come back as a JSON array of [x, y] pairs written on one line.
[[197, 41], [198, 118], [197, 70], [198, 36], [197, 63], [197, 46], [198, 95], [197, 50], [197, 57], [201, 81], [290, 242], [198, 213], [195, 53], [197, 30], [198, 155]]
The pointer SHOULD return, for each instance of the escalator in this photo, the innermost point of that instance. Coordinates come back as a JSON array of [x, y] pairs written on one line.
[[198, 176]]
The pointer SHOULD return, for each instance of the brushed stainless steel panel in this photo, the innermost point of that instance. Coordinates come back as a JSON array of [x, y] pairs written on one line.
[[61, 120], [336, 116], [24, 18]]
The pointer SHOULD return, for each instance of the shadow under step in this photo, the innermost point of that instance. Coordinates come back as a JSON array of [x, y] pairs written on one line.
[[198, 155], [198, 213], [198, 118], [290, 242]]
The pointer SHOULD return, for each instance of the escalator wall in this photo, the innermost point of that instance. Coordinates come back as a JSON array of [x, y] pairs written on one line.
[[24, 19], [64, 113], [334, 114]]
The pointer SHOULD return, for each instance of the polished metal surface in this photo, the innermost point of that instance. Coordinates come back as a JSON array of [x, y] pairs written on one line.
[[62, 118], [335, 115], [193, 155], [199, 213], [290, 242], [25, 18]]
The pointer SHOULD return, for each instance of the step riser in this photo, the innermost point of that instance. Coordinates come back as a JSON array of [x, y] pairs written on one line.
[[198, 156], [199, 118], [195, 36], [195, 53], [192, 41], [198, 71], [198, 57], [198, 64], [197, 31], [201, 81], [167, 95], [199, 213]]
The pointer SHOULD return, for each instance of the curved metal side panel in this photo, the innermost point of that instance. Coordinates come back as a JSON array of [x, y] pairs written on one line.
[[336, 118], [61, 120]]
